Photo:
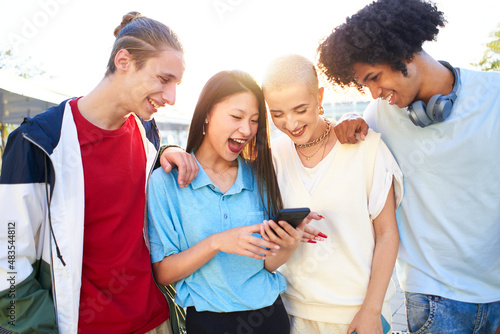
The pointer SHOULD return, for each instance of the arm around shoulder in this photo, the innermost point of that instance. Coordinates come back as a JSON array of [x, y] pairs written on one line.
[[349, 125], [173, 155]]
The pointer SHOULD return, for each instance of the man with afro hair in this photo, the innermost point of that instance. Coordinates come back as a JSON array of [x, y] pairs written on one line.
[[442, 125]]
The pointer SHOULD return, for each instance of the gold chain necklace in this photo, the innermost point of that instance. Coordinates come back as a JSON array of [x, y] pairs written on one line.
[[323, 136], [220, 173], [324, 148], [308, 157]]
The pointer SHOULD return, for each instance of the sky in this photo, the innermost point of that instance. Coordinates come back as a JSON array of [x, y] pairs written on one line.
[[71, 39]]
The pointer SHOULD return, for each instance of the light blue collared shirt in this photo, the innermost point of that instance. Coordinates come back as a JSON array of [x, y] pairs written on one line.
[[179, 218]]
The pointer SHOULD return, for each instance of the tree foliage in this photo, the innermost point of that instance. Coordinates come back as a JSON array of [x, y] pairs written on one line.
[[21, 66], [491, 57]]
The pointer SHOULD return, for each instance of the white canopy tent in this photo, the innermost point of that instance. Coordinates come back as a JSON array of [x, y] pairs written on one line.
[[20, 97]]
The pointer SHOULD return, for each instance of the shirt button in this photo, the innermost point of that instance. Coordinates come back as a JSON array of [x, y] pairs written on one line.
[[225, 216], [223, 198], [212, 187]]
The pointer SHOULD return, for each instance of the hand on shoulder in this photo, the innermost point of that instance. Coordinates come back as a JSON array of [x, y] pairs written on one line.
[[349, 125]]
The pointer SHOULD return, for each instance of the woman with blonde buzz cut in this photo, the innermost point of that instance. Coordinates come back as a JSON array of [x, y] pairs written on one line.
[[343, 284]]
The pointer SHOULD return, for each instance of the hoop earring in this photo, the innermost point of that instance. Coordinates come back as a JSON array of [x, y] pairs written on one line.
[[321, 110]]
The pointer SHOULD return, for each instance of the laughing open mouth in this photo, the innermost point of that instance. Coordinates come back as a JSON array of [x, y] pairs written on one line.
[[299, 132], [236, 145], [389, 98], [154, 104]]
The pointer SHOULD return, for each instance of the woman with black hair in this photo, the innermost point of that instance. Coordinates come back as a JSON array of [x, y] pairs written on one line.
[[205, 237]]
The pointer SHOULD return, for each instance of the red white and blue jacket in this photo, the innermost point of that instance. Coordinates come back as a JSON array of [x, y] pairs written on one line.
[[41, 258]]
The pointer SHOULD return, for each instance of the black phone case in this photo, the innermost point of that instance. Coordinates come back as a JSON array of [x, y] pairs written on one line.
[[293, 216]]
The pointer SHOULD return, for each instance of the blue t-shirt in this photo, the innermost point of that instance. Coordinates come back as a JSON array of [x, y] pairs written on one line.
[[179, 218], [449, 219]]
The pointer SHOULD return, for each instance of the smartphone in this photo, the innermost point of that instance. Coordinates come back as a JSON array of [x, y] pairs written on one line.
[[293, 216]]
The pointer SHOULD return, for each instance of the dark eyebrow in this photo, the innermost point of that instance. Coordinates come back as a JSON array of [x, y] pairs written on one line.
[[243, 111], [366, 77]]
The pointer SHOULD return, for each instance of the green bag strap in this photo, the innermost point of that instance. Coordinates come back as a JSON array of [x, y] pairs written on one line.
[[177, 313]]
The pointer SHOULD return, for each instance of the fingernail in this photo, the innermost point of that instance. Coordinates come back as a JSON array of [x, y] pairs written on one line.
[[320, 216], [311, 241], [321, 234]]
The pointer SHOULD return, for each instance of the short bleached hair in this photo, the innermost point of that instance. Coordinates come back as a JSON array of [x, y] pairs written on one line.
[[288, 70]]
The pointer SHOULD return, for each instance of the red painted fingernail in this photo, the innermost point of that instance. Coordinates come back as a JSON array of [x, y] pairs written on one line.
[[322, 235], [311, 241], [320, 216]]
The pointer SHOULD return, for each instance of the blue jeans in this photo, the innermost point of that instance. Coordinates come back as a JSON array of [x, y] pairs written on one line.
[[433, 314]]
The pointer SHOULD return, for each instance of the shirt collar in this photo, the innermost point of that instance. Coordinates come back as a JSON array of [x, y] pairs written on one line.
[[244, 180]]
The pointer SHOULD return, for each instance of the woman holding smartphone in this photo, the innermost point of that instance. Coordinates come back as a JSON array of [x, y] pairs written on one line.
[[203, 236], [340, 285]]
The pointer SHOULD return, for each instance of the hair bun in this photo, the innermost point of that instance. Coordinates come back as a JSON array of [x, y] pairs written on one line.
[[126, 19]]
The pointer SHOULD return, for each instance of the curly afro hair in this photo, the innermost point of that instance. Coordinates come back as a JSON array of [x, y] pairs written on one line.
[[384, 32]]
